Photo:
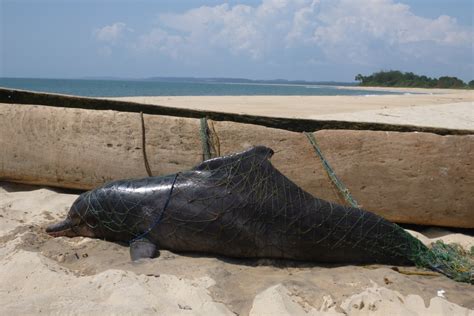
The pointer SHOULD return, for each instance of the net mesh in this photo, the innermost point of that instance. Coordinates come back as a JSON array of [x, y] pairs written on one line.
[[241, 206]]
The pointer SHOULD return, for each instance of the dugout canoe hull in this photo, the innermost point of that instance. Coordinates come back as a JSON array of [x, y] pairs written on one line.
[[417, 178]]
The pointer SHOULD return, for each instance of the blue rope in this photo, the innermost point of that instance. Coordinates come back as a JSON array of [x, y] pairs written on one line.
[[158, 220]]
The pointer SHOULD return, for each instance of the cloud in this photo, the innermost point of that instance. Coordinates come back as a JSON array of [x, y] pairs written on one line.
[[362, 32], [296, 38], [240, 30], [110, 33], [157, 40], [370, 30]]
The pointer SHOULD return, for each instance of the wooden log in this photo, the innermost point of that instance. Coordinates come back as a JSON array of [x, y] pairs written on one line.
[[81, 149], [418, 178]]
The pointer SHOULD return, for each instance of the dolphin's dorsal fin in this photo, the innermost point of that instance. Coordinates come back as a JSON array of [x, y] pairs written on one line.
[[255, 154]]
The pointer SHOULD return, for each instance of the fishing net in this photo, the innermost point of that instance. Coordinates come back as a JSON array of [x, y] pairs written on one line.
[[241, 206], [449, 259]]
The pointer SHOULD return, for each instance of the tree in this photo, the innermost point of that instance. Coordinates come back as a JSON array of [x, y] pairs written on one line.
[[360, 78], [395, 78], [450, 82]]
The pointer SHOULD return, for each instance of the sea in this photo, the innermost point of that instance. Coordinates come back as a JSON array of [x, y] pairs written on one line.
[[173, 87]]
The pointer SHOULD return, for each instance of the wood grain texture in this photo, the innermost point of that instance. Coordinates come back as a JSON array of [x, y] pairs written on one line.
[[81, 149]]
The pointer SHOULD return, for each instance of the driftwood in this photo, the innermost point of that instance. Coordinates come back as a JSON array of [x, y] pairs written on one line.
[[418, 178]]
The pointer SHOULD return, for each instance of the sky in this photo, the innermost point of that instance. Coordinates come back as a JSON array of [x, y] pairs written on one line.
[[316, 40]]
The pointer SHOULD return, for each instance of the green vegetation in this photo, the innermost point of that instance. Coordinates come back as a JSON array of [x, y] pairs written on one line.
[[395, 78]]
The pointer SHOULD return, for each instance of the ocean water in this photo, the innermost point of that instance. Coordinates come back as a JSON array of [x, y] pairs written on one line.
[[125, 88]]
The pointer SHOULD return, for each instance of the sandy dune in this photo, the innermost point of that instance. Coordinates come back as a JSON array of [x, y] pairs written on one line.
[[41, 274]]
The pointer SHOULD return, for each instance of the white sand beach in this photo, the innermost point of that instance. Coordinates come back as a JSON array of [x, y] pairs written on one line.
[[48, 275], [447, 108], [41, 274]]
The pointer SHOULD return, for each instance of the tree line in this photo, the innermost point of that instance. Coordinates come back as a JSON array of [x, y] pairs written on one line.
[[395, 78]]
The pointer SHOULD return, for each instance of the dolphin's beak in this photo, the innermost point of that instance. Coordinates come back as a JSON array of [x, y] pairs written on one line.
[[63, 228]]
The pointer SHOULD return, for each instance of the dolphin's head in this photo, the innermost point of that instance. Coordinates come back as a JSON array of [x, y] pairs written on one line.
[[80, 221]]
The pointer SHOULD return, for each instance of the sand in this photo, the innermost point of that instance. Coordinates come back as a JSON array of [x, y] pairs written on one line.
[[425, 107], [48, 275]]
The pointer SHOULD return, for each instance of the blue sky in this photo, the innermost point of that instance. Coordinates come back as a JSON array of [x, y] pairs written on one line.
[[264, 39]]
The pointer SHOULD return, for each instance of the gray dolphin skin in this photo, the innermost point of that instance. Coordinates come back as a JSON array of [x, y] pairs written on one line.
[[236, 206]]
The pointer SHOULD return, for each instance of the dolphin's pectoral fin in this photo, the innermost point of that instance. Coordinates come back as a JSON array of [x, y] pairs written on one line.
[[142, 248]]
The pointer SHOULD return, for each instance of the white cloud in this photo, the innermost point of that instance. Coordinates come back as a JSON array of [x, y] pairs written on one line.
[[159, 40], [110, 33], [368, 30], [241, 30], [361, 32], [282, 37]]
